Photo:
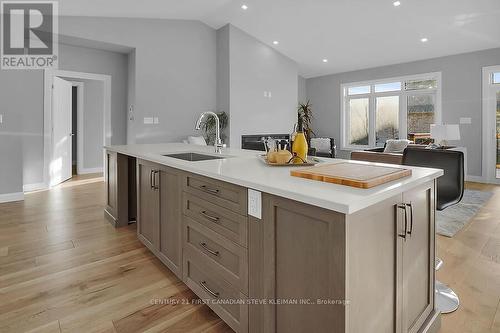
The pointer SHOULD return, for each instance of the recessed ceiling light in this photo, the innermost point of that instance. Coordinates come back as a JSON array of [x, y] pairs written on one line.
[[424, 40], [244, 7], [276, 42], [325, 60], [396, 3]]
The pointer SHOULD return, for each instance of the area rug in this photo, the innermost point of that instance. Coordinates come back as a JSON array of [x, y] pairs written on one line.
[[454, 218]]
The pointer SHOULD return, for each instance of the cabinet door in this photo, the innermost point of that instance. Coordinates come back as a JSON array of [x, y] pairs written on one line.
[[303, 255], [171, 219], [148, 221], [418, 258], [110, 175]]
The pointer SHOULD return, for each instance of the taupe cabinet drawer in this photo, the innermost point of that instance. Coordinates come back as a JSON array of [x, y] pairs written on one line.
[[228, 259], [227, 195], [221, 220], [219, 294]]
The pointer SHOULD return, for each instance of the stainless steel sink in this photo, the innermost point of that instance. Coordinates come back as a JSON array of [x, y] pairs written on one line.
[[193, 157]]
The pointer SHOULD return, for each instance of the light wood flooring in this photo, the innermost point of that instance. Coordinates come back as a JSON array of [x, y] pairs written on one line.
[[64, 268]]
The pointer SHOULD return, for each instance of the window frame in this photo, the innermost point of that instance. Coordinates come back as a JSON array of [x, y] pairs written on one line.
[[403, 103]]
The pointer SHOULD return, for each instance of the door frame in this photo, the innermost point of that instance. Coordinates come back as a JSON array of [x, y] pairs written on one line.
[[49, 75], [80, 86], [489, 127]]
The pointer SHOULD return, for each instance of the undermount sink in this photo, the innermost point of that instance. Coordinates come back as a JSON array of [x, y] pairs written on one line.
[[193, 157]]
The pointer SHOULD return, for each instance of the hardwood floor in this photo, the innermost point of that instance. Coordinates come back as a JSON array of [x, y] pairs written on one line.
[[472, 269], [64, 268]]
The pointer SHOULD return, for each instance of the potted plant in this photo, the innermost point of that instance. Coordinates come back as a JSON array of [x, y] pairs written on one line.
[[208, 126], [304, 112]]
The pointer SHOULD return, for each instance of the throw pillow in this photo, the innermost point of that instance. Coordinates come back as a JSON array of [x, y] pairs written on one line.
[[396, 146]]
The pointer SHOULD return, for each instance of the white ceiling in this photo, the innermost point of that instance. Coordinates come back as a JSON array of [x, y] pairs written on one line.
[[351, 34]]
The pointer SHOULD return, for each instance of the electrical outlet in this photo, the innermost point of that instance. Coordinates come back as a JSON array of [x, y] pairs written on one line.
[[156, 120], [1, 118], [255, 203], [465, 120], [148, 120], [131, 113], [269, 94]]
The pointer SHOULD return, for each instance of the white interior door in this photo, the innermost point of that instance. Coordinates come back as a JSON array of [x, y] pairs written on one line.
[[61, 164], [491, 123]]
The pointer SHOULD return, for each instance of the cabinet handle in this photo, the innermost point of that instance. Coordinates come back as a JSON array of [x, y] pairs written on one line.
[[210, 217], [204, 285], [205, 247], [209, 189], [403, 235], [151, 179], [156, 184], [411, 218]]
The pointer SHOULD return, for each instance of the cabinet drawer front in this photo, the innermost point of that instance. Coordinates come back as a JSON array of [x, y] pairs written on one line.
[[228, 259], [219, 295], [223, 221], [227, 195]]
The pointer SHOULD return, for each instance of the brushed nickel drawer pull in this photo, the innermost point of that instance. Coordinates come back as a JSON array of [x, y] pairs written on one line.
[[209, 189], [205, 247], [156, 185], [204, 285], [403, 235], [411, 218], [208, 216]]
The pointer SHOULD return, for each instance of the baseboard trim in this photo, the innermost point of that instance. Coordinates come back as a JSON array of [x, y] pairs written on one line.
[[10, 197], [475, 179], [34, 187], [89, 170]]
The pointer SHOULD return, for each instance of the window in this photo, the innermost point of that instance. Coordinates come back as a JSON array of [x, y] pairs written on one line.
[[376, 111], [386, 119], [496, 78], [358, 121]]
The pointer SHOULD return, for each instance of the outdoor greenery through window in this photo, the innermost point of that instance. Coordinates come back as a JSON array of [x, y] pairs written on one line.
[[374, 112]]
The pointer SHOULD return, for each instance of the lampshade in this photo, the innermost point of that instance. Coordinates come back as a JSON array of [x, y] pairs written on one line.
[[445, 132]]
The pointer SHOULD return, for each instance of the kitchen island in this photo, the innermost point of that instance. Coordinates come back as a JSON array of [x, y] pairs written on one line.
[[270, 252]]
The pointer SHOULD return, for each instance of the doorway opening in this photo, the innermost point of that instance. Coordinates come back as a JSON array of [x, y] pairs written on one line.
[[77, 124]]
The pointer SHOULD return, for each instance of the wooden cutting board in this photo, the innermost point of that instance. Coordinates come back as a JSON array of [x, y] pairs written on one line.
[[353, 174]]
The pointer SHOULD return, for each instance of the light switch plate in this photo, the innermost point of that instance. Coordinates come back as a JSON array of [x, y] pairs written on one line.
[[465, 120], [156, 120], [255, 203], [148, 120], [1, 118]]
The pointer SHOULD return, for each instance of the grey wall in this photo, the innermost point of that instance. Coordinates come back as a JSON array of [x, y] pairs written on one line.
[[223, 76], [254, 68], [72, 58], [12, 130], [131, 98], [93, 107], [302, 92], [89, 60], [175, 70], [174, 66], [461, 95]]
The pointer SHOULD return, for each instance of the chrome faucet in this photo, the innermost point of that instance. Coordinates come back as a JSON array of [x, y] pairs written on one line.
[[218, 142]]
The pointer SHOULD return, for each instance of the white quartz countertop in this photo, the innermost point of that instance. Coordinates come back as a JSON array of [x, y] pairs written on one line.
[[242, 167]]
